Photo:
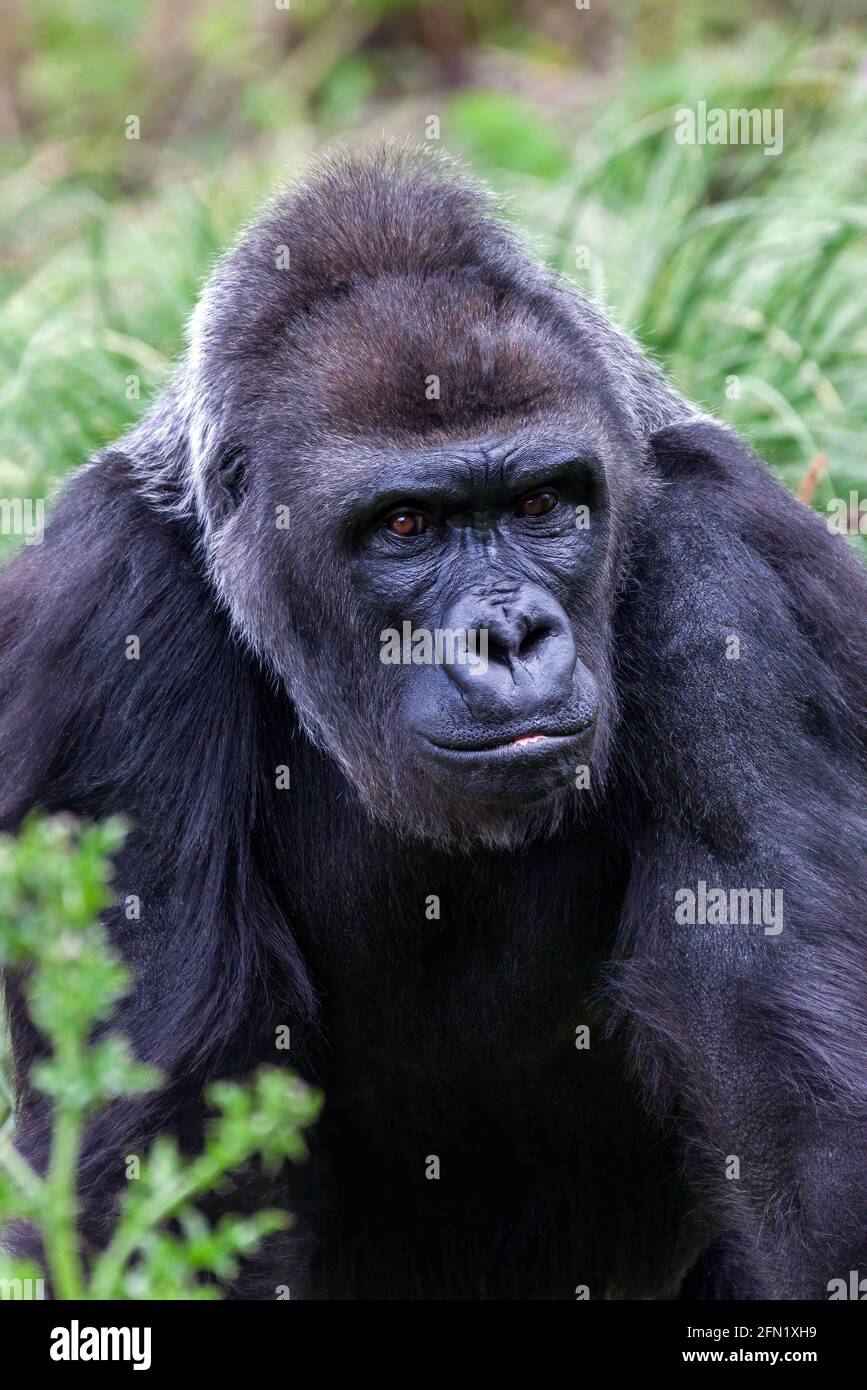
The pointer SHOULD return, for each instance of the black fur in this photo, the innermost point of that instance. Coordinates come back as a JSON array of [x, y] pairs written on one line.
[[456, 1037]]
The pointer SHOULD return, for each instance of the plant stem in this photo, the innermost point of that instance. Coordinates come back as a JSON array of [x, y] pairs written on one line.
[[60, 1226]]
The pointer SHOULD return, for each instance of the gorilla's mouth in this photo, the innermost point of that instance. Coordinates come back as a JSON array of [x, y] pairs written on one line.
[[511, 769], [540, 740]]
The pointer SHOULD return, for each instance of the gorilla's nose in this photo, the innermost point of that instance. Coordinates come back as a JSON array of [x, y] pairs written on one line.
[[524, 652]]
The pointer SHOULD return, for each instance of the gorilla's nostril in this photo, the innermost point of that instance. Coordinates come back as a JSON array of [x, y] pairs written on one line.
[[531, 642], [498, 652]]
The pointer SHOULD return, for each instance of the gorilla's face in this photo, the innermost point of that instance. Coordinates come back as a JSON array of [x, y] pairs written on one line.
[[433, 582], [476, 560], [441, 617]]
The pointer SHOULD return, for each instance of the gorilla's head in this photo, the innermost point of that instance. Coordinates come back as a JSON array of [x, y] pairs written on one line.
[[412, 454]]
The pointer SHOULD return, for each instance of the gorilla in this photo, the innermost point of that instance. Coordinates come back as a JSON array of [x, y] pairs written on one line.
[[495, 723]]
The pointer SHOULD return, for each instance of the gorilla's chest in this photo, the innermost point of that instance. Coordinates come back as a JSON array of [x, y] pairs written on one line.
[[458, 998], [480, 1133]]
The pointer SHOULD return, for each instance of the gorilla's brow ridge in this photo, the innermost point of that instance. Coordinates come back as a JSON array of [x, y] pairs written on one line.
[[457, 473]]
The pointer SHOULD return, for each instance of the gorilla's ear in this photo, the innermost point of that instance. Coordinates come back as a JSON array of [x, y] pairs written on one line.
[[231, 476]]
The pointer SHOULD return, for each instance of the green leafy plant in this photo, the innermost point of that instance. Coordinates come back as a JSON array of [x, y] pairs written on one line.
[[54, 883]]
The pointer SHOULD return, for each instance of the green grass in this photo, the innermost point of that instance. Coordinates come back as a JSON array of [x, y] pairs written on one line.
[[744, 274]]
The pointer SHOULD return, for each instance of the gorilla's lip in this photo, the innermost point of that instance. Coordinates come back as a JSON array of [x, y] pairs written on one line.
[[537, 739]]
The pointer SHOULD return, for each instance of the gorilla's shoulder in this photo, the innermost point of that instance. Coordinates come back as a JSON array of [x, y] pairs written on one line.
[[103, 523], [702, 448]]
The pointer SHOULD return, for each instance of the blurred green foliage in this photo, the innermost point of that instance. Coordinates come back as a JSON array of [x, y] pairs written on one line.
[[54, 882]]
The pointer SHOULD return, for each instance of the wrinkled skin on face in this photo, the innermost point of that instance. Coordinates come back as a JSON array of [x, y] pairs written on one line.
[[482, 538]]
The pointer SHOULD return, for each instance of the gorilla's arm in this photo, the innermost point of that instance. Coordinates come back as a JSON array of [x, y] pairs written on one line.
[[183, 738], [751, 774]]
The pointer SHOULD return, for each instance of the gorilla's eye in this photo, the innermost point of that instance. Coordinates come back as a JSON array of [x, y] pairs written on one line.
[[406, 524], [536, 504]]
